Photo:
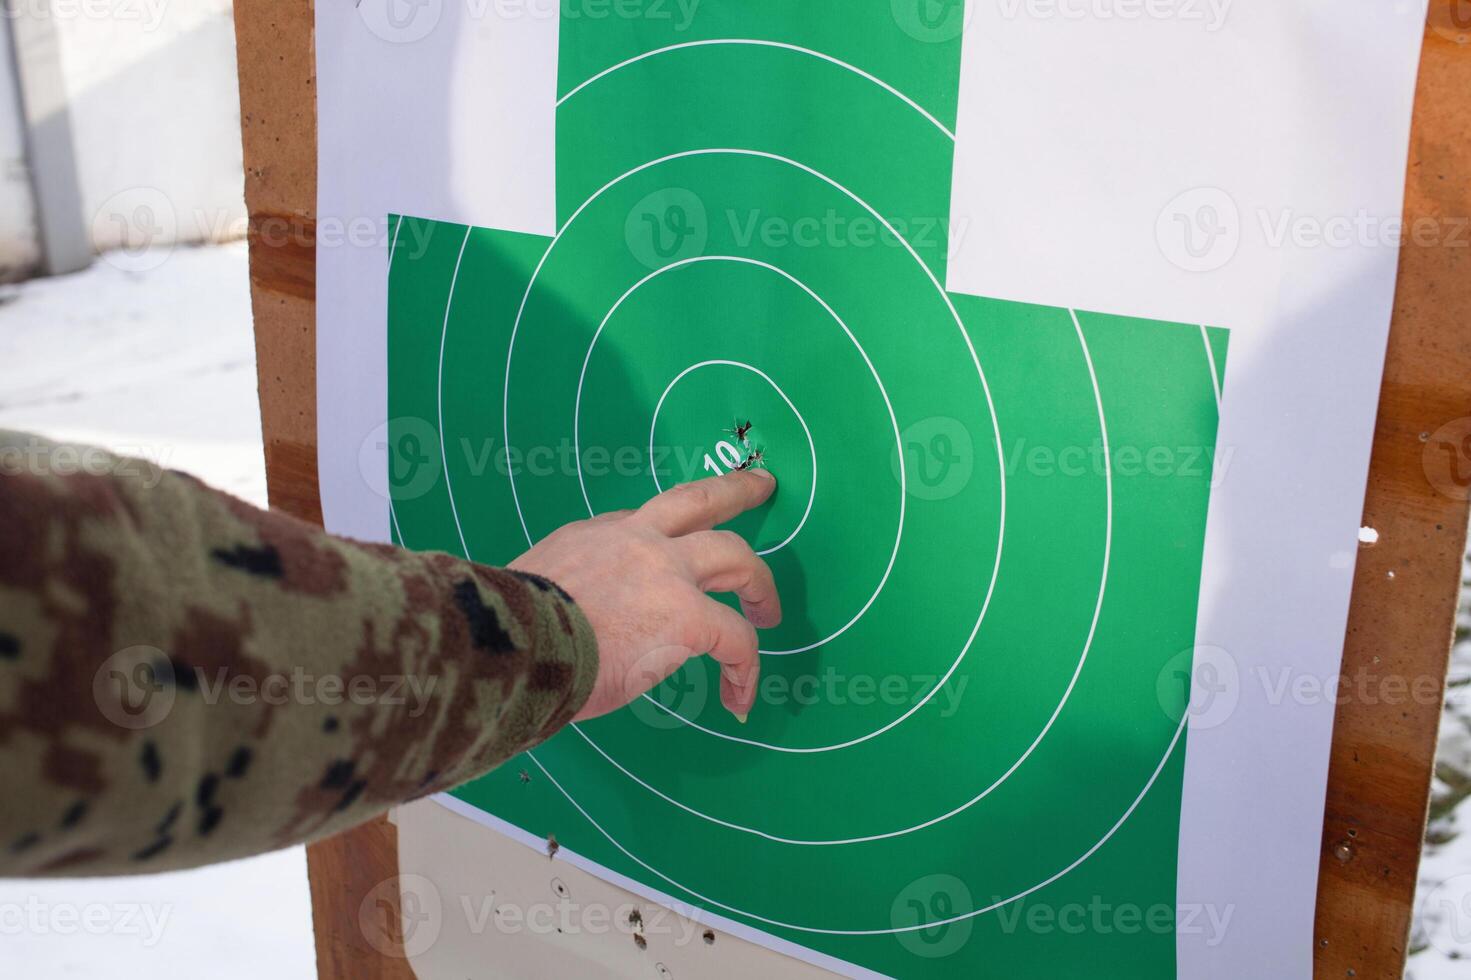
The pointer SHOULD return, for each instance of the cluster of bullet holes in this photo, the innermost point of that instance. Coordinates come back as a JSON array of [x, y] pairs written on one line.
[[635, 917]]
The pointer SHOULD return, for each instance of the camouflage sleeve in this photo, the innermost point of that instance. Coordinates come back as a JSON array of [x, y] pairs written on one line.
[[186, 679]]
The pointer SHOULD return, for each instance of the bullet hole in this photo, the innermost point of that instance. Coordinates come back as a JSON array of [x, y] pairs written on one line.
[[709, 937], [757, 458], [552, 846], [640, 941], [1367, 535], [559, 887], [636, 918]]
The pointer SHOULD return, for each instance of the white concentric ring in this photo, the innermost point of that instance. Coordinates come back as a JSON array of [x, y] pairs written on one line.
[[955, 315], [996, 784], [811, 445], [1210, 362], [758, 154], [920, 926], [813, 930], [392, 509], [883, 393], [760, 43], [1108, 469]]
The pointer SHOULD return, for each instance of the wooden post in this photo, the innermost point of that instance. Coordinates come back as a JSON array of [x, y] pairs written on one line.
[[1406, 585]]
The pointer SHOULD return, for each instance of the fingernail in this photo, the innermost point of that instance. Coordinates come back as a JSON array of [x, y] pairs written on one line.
[[741, 718], [763, 474]]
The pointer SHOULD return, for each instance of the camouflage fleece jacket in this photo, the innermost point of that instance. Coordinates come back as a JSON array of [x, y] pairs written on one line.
[[187, 679]]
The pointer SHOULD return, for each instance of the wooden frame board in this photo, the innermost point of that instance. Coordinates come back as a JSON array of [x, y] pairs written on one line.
[[1405, 587]]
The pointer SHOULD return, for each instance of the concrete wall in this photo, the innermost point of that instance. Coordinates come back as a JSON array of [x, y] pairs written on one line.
[[155, 122], [154, 107], [19, 252]]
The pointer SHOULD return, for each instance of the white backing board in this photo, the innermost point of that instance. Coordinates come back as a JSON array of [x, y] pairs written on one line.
[[1238, 164]]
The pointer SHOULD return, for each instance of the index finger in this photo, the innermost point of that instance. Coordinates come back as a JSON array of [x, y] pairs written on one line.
[[703, 504]]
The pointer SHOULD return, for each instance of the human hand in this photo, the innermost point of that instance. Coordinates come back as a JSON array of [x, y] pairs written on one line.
[[641, 578]]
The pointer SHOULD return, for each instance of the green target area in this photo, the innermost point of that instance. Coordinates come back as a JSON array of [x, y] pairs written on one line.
[[988, 532]]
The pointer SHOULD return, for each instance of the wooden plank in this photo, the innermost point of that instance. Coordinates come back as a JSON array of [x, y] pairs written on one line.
[[1399, 627], [278, 121], [355, 905], [354, 914], [1406, 585]]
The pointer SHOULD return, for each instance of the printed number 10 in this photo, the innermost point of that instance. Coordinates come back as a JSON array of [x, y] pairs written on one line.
[[729, 455]]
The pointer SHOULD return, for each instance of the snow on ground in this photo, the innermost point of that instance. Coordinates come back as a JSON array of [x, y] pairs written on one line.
[[1441, 942], [159, 364]]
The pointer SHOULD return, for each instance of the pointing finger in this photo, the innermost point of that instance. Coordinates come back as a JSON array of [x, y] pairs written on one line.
[[703, 504]]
